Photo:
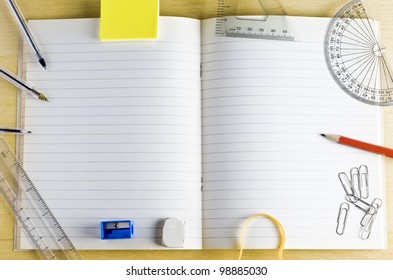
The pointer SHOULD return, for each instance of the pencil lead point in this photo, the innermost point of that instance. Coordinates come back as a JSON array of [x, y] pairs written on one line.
[[323, 135]]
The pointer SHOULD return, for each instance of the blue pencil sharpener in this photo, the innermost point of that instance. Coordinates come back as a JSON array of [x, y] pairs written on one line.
[[117, 229]]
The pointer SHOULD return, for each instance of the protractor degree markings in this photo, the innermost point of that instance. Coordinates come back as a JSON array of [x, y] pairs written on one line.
[[370, 26], [356, 45], [360, 42], [381, 70], [380, 83], [367, 35], [360, 54], [386, 73], [355, 49], [358, 61], [368, 68], [351, 59], [358, 32], [361, 67], [372, 72], [353, 26], [363, 62], [376, 75], [361, 14], [363, 40], [387, 67]]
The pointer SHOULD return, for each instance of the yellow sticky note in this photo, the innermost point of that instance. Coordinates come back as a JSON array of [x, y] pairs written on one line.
[[129, 19]]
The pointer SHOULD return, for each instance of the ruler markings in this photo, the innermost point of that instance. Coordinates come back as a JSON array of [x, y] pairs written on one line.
[[52, 246]]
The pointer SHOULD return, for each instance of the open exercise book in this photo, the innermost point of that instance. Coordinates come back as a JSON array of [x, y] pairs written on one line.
[[132, 128]]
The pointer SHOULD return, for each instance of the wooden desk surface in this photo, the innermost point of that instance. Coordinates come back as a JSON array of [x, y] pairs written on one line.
[[200, 9]]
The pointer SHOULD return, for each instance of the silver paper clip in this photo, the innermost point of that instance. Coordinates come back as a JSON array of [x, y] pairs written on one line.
[[342, 218], [357, 189], [363, 181], [366, 230], [374, 207], [355, 179], [360, 203], [352, 195], [369, 218]]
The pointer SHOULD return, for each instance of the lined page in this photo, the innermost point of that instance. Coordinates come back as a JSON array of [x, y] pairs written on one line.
[[265, 104], [120, 137]]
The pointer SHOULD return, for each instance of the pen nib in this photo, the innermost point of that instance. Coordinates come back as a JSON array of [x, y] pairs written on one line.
[[43, 97], [43, 63], [38, 95]]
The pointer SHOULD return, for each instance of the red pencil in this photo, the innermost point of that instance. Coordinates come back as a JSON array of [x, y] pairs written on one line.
[[359, 145]]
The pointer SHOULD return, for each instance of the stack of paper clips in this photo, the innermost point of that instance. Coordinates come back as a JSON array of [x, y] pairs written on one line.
[[357, 190]]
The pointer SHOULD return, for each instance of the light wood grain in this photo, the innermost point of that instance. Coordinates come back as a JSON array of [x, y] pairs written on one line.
[[50, 9]]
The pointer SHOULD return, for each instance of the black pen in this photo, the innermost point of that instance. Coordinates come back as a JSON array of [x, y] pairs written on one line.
[[25, 30], [14, 130]]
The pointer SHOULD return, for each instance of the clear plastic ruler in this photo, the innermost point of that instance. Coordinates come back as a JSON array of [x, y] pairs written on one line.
[[355, 56], [32, 212], [234, 20]]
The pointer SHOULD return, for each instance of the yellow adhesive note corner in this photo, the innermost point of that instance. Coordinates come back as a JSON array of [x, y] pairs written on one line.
[[129, 19]]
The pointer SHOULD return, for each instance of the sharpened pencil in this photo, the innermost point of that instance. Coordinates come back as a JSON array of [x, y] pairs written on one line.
[[359, 145]]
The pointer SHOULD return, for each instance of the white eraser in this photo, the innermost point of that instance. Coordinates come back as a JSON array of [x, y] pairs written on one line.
[[173, 233]]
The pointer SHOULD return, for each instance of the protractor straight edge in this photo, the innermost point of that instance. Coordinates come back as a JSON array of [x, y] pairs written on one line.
[[356, 59], [31, 211]]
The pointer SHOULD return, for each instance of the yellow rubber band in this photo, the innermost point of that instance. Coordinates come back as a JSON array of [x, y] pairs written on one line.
[[279, 227]]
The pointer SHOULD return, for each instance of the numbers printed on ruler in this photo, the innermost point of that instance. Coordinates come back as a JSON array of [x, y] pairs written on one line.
[[274, 28], [229, 24]]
